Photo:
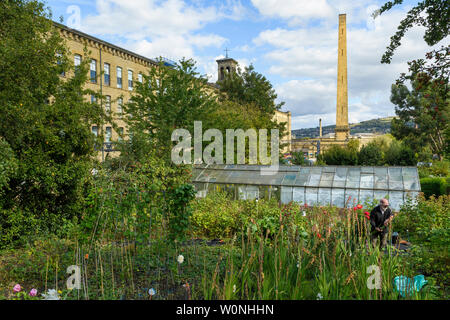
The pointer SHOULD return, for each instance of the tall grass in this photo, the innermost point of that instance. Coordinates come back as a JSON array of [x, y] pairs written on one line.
[[122, 249]]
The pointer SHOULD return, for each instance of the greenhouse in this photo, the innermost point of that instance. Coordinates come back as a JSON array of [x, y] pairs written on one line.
[[341, 186]]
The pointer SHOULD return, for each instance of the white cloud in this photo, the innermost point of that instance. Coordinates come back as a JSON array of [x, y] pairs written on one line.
[[172, 28], [291, 9], [309, 55], [308, 96]]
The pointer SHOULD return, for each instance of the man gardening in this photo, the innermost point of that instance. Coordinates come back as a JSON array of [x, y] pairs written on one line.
[[380, 217]]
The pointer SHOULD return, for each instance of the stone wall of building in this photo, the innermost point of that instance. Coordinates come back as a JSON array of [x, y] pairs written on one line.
[[106, 53]]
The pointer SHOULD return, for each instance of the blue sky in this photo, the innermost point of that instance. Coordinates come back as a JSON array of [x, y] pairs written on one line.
[[292, 42]]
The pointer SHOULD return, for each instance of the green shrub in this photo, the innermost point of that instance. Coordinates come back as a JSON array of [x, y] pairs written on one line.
[[398, 154], [337, 155], [448, 185], [216, 216], [422, 216], [370, 155], [433, 186]]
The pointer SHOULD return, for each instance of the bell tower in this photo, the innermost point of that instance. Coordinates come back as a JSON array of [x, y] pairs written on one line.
[[225, 66], [342, 131]]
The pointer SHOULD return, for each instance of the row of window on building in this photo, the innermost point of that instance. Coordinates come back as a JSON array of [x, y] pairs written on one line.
[[108, 105], [107, 73], [108, 133]]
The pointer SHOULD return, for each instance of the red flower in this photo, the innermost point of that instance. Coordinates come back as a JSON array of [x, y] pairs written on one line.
[[355, 208], [306, 205], [359, 206], [318, 235]]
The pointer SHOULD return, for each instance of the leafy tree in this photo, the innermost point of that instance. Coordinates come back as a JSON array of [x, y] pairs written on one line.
[[424, 110], [298, 158], [338, 155], [252, 89], [168, 98], [45, 123], [249, 86], [434, 15], [399, 154], [370, 155], [175, 98], [353, 145]]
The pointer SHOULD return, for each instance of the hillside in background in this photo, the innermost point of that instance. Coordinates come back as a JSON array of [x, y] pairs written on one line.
[[380, 126]]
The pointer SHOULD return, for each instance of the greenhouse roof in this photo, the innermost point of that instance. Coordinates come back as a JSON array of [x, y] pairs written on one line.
[[353, 177], [313, 185]]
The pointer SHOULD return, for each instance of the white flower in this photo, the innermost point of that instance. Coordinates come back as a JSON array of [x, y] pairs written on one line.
[[319, 296], [180, 259], [52, 294], [298, 265], [94, 171], [234, 288], [151, 291], [304, 213]]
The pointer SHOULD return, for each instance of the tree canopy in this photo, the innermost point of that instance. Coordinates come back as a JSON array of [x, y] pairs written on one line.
[[434, 15], [249, 86], [46, 142], [424, 110]]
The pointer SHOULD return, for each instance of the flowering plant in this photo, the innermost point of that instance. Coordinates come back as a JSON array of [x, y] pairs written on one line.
[[20, 294]]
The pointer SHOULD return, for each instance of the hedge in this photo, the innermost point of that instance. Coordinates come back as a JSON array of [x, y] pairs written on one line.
[[448, 185], [436, 186]]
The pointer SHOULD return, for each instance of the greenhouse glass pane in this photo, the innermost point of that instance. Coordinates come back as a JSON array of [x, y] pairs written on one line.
[[395, 179], [289, 179], [353, 178], [286, 194], [380, 171], [324, 196], [242, 195], [380, 194], [305, 170], [222, 177], [367, 170], [326, 180], [211, 175], [410, 172], [264, 192], [340, 177], [275, 179], [299, 195], [410, 195], [205, 176], [314, 179], [275, 192], [329, 169], [380, 181], [301, 180], [410, 184], [212, 187], [395, 185], [351, 197], [366, 181], [311, 196], [337, 197], [395, 199], [235, 176], [365, 195], [252, 192], [292, 168]]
